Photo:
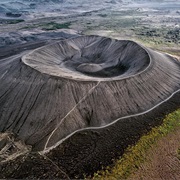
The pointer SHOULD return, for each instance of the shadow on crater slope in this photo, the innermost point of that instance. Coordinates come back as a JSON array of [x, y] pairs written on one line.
[[85, 83]]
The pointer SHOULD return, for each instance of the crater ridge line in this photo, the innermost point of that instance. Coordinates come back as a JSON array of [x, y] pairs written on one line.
[[91, 58]]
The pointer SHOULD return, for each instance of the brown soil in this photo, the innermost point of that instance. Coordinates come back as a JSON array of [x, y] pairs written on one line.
[[162, 161]]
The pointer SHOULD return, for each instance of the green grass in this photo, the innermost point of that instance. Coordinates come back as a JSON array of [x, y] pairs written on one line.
[[54, 26], [28, 27], [134, 156], [14, 21], [102, 15]]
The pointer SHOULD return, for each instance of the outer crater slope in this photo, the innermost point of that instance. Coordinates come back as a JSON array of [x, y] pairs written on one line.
[[81, 83]]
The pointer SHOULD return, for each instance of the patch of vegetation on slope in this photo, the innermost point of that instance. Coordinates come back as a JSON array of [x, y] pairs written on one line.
[[11, 21], [54, 26], [159, 36], [134, 156]]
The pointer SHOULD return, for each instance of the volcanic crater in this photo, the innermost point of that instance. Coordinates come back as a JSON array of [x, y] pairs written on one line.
[[51, 95], [89, 58]]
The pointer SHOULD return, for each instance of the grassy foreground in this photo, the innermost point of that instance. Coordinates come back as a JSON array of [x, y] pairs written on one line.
[[134, 156]]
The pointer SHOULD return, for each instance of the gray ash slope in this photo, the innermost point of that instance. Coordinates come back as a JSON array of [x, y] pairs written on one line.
[[61, 88], [109, 92]]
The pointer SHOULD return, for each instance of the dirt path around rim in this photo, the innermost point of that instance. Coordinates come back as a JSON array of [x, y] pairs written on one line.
[[162, 160]]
